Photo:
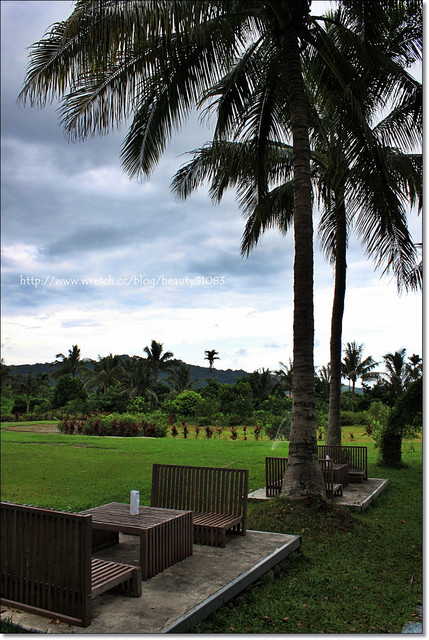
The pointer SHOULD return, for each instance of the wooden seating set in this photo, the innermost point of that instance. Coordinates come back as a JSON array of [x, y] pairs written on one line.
[[345, 464], [46, 563], [356, 458]]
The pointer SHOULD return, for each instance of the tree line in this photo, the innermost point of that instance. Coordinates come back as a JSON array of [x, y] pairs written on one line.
[[117, 383]]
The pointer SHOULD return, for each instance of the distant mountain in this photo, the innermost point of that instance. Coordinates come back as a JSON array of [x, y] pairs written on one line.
[[199, 375]]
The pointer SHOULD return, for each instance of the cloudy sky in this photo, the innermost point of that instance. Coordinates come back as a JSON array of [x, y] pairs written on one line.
[[90, 258]]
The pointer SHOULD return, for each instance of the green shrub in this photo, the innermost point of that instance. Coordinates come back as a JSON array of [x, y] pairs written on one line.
[[188, 404], [353, 418], [6, 405]]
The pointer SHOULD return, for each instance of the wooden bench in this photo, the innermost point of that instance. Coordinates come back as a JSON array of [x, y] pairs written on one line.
[[217, 498], [46, 564], [275, 469], [355, 457]]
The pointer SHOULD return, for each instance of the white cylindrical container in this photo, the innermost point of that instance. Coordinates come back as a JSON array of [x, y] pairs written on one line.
[[134, 502]]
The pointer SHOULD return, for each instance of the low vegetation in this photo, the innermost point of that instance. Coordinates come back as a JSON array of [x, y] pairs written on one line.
[[357, 573]]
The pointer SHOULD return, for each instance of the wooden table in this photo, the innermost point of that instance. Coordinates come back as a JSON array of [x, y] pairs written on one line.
[[341, 474], [165, 534]]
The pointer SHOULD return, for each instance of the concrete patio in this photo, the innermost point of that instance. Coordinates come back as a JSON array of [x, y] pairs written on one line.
[[182, 595], [357, 495]]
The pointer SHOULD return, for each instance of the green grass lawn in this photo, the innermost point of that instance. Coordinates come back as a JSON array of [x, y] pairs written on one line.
[[357, 572]]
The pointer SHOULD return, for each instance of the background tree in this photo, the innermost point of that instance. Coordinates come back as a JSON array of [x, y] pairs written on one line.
[[71, 364], [107, 372], [66, 390], [180, 378], [211, 355], [414, 368], [404, 421], [354, 368], [157, 360], [396, 371]]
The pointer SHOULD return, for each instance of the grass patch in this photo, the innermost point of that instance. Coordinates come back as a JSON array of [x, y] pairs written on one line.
[[357, 573]]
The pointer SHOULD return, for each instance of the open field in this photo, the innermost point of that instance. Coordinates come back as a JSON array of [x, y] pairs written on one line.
[[357, 572]]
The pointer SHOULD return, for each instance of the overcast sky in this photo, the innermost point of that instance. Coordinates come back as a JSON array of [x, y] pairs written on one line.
[[69, 212]]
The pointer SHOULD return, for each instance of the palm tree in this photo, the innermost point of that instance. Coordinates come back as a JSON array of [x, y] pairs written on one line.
[[180, 378], [414, 368], [107, 372], [324, 376], [396, 368], [285, 377], [369, 188], [136, 377], [153, 61], [70, 364], [353, 367], [157, 360], [211, 356]]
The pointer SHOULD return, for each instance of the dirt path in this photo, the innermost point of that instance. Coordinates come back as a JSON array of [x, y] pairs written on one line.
[[40, 427]]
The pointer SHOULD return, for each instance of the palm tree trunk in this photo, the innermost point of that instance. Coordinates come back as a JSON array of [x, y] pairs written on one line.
[[303, 476], [333, 434]]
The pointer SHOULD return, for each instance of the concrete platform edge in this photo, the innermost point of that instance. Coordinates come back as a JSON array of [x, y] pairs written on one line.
[[374, 494], [229, 591]]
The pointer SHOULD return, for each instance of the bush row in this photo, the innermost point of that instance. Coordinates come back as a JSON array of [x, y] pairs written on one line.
[[122, 425]]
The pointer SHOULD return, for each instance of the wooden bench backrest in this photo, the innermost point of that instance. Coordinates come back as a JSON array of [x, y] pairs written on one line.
[[275, 469], [46, 562], [356, 457], [203, 489]]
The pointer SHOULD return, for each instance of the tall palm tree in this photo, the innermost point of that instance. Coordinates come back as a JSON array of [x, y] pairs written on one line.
[[354, 368], [153, 61], [368, 188], [211, 355], [157, 360]]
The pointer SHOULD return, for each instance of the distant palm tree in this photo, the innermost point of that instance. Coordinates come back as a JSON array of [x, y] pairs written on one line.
[[324, 376], [180, 378], [353, 367], [414, 368], [136, 377], [30, 385], [70, 364], [285, 377], [157, 360], [395, 364], [211, 356], [106, 373]]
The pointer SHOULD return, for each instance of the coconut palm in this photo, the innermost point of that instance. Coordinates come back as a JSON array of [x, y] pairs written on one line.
[[354, 368], [414, 368], [396, 370], [211, 355], [285, 377], [156, 359], [180, 378], [106, 373], [368, 189], [153, 61], [71, 364]]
